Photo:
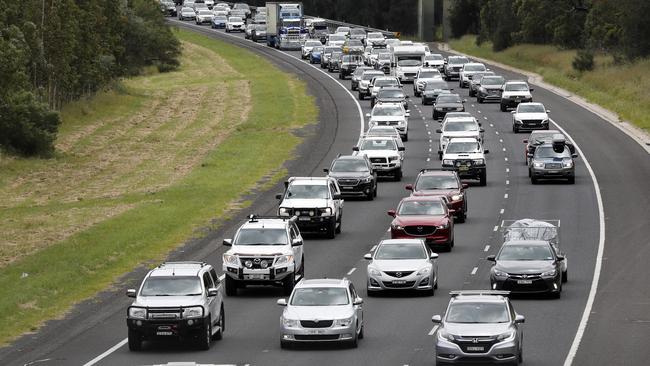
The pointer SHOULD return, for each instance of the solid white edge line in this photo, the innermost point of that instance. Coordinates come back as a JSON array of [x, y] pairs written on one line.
[[352, 271], [474, 270], [373, 248], [599, 258], [433, 330], [108, 352]]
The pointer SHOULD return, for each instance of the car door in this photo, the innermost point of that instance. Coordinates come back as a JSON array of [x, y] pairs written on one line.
[[297, 250], [212, 301], [218, 286], [358, 309]]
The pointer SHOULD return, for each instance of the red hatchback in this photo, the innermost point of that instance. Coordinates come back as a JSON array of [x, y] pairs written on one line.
[[433, 182], [424, 217]]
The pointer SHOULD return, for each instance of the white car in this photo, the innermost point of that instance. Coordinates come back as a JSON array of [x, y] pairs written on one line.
[[458, 127], [209, 3], [307, 47], [220, 12], [381, 81], [186, 14], [390, 114], [336, 40], [384, 131], [529, 117], [235, 24], [515, 92], [466, 72], [375, 38], [465, 156], [434, 60], [386, 154], [204, 16], [424, 75]]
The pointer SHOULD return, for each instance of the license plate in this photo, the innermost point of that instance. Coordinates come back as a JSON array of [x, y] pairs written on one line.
[[463, 168], [553, 171], [524, 282], [164, 333], [256, 276], [348, 188], [399, 282], [304, 218], [316, 331], [476, 349]]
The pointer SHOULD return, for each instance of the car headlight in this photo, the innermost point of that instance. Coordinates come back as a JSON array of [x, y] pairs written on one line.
[[231, 259], [538, 164], [327, 211], [193, 312], [479, 161], [366, 180], [457, 197], [424, 271], [443, 334], [284, 211], [345, 322], [448, 162], [284, 260], [499, 273], [507, 335], [443, 226], [482, 89], [393, 158], [138, 313], [460, 108], [290, 323], [397, 227], [550, 273], [517, 121], [438, 108], [545, 122], [374, 272], [567, 163]]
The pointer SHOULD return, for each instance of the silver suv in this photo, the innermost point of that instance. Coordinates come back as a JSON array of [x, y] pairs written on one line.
[[177, 299], [479, 326], [322, 310], [265, 251]]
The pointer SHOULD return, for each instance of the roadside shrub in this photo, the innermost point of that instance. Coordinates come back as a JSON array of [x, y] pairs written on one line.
[[583, 61]]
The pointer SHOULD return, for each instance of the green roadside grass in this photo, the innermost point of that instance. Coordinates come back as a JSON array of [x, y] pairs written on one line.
[[45, 284], [620, 88]]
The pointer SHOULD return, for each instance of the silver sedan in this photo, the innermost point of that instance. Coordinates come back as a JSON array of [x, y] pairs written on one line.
[[322, 310], [402, 264]]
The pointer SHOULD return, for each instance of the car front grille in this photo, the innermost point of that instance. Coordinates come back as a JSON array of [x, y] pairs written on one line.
[[316, 323], [303, 212], [398, 274], [164, 313], [316, 337], [476, 344], [257, 262], [531, 121], [348, 182], [378, 160], [390, 284], [553, 165], [409, 74], [420, 230], [464, 162]]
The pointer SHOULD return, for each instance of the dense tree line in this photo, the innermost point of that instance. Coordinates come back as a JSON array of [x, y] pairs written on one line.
[[56, 51], [618, 27]]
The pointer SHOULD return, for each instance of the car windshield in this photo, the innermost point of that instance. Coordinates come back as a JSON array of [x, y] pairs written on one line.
[[421, 208], [235, 20], [262, 237], [375, 36], [409, 62], [385, 82], [349, 165], [462, 147], [343, 30], [461, 126], [317, 49], [370, 75], [221, 18], [474, 68], [547, 152], [312, 43], [457, 60], [205, 12], [436, 85], [497, 80], [433, 57], [448, 99], [436, 182], [354, 42], [387, 144], [384, 56], [187, 10], [429, 74], [383, 130], [241, 6], [171, 286], [477, 312], [400, 251], [357, 31], [516, 87], [387, 111], [525, 253], [337, 38], [320, 296], [391, 94], [260, 27], [307, 191], [531, 108], [331, 49]]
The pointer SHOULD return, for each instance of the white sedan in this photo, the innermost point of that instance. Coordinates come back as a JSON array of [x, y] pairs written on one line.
[[235, 24]]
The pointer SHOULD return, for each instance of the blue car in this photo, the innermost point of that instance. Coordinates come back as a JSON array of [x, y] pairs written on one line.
[[219, 22], [314, 55]]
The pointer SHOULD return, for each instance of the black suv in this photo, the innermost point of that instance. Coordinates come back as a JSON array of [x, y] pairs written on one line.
[[349, 63], [355, 176]]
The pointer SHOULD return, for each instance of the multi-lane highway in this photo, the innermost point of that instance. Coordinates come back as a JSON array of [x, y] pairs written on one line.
[[398, 329]]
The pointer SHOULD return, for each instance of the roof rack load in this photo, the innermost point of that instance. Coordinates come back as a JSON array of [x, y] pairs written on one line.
[[255, 218]]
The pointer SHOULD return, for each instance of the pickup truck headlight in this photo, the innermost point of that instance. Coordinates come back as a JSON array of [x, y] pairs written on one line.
[[550, 273], [479, 161], [327, 211], [284, 260], [343, 322], [366, 180], [447, 162], [393, 158], [506, 336], [567, 163], [517, 121], [545, 122], [231, 259], [290, 323], [538, 164], [137, 313], [284, 211], [193, 312], [457, 197]]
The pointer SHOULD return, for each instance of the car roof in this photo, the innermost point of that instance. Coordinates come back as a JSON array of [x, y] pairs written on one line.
[[168, 269], [461, 119], [438, 172], [321, 282], [400, 241], [463, 139], [479, 298], [545, 132], [351, 157], [265, 224], [527, 242], [516, 82], [422, 198], [311, 180]]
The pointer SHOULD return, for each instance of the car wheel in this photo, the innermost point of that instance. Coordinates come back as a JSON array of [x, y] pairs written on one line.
[[406, 137], [285, 345], [330, 232], [340, 224], [135, 341], [288, 284], [203, 340], [398, 175], [483, 179], [515, 129], [439, 155], [503, 107], [354, 343], [361, 96], [361, 333], [572, 180], [222, 326], [533, 180], [461, 218], [370, 196], [480, 100], [520, 356], [231, 286], [565, 276]]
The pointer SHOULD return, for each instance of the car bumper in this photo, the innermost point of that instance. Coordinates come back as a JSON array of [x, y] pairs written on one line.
[[536, 286], [441, 237], [500, 353], [316, 223], [488, 95], [165, 328], [513, 102], [411, 282], [361, 189], [386, 169], [331, 334], [563, 173], [268, 276], [472, 172], [532, 126]]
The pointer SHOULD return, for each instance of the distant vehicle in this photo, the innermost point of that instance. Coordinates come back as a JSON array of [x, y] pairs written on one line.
[[432, 89], [219, 22], [327, 54], [424, 75], [318, 29], [316, 54], [489, 88], [529, 117], [258, 32], [285, 27], [437, 182], [204, 16], [402, 264], [453, 65], [322, 310], [356, 76], [336, 40], [349, 64], [243, 7], [467, 157], [364, 82], [434, 60], [181, 300], [475, 83], [515, 92], [407, 59], [391, 114], [353, 45], [358, 34], [383, 131], [355, 176], [380, 82], [553, 161], [187, 14], [235, 24], [468, 71], [343, 30], [447, 103], [307, 47], [386, 154], [168, 8], [391, 94], [458, 127], [424, 217], [383, 62], [538, 138], [375, 39]]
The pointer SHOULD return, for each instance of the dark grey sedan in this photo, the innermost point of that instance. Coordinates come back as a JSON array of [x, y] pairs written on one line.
[[447, 103], [432, 89]]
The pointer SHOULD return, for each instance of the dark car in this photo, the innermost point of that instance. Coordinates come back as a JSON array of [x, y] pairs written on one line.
[[489, 88], [434, 182], [424, 217], [475, 81], [538, 138], [327, 54], [356, 76], [447, 103], [527, 266], [219, 22], [390, 94], [349, 63], [315, 54], [552, 161], [432, 89], [355, 176], [453, 65]]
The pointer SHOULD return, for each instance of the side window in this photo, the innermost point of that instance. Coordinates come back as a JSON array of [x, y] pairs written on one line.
[[292, 233], [353, 292], [215, 278], [207, 281], [332, 189]]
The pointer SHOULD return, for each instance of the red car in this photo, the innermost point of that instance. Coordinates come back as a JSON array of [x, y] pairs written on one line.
[[431, 182], [424, 217]]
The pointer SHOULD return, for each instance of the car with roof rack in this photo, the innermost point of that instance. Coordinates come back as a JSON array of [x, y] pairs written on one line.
[[538, 138], [383, 131], [355, 176], [445, 183], [466, 156], [385, 153], [181, 300], [479, 326], [553, 160], [390, 114], [265, 251], [424, 217]]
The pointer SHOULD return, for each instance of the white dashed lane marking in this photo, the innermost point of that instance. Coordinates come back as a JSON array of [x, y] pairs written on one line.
[[487, 248], [502, 211], [352, 271], [433, 330], [474, 270], [496, 228]]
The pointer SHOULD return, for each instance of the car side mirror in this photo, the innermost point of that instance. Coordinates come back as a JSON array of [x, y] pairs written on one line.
[[513, 112], [574, 156], [356, 148], [409, 187], [391, 213], [491, 258], [486, 151], [357, 301], [525, 141], [481, 130], [560, 258], [433, 256], [130, 292], [326, 171], [451, 211], [436, 319], [438, 131], [296, 242], [520, 319], [337, 197], [531, 89], [282, 302], [227, 242], [465, 185], [367, 257], [407, 97], [401, 148], [212, 292], [278, 196], [408, 114], [548, 111]]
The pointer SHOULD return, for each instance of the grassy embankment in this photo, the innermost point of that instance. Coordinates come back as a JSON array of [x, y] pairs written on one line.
[[138, 170], [620, 88]]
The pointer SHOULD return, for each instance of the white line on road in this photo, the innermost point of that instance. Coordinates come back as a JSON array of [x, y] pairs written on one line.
[[496, 132], [501, 140], [491, 125], [428, 159], [504, 149], [433, 330], [507, 182], [496, 228], [487, 247], [505, 195], [507, 170], [108, 352], [352, 271], [474, 270], [502, 211], [479, 111], [484, 117]]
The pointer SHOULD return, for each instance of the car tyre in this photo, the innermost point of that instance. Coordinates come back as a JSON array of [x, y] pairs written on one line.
[[285, 345], [565, 276], [231, 286], [483, 179], [479, 100], [462, 217], [222, 325], [406, 137], [533, 180], [340, 224], [572, 180], [398, 175], [135, 341], [203, 340], [330, 233], [361, 335], [361, 96], [503, 107], [288, 284], [515, 129], [354, 343]]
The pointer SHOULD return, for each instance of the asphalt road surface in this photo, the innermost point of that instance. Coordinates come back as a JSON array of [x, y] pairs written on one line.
[[398, 328]]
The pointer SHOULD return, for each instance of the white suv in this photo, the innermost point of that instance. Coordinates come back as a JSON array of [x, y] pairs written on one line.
[[513, 93], [385, 153], [317, 203], [265, 251], [458, 127], [530, 117], [390, 114], [468, 70], [466, 156]]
